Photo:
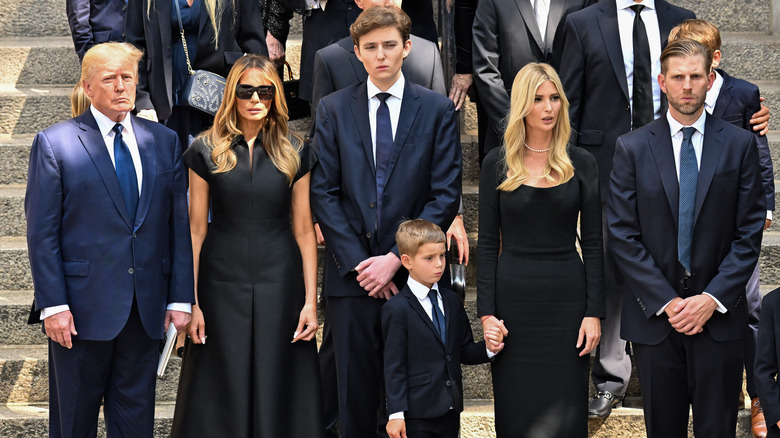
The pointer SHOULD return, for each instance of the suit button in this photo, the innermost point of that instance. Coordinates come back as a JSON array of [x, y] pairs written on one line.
[[449, 358], [448, 383], [370, 205], [628, 107], [349, 8], [124, 8], [368, 235], [130, 271], [134, 236]]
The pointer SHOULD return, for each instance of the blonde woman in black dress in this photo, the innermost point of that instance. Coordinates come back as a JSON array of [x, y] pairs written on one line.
[[251, 368], [530, 276]]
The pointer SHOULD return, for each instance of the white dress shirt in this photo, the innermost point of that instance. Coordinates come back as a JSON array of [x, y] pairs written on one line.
[[542, 13], [697, 140], [625, 17], [393, 105]]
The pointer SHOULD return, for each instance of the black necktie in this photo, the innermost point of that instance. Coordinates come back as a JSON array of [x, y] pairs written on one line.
[[436, 315], [643, 87], [125, 171], [384, 146]]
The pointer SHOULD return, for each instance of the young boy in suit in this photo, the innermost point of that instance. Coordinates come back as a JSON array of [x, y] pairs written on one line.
[[768, 361], [735, 101], [427, 336]]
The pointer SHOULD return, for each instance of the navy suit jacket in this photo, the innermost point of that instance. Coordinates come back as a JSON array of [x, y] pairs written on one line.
[[737, 101], [95, 21], [594, 77], [423, 377], [768, 360], [84, 250], [423, 177], [642, 214], [336, 66]]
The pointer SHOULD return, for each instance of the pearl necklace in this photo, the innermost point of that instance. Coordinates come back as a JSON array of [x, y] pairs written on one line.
[[536, 150]]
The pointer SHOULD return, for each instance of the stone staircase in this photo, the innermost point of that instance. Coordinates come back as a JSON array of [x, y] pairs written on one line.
[[37, 70]]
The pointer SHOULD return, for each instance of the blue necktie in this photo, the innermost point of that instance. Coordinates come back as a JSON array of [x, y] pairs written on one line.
[[689, 175], [436, 315], [125, 171], [384, 146]]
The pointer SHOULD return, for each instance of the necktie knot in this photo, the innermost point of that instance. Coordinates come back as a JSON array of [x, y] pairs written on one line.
[[433, 297], [637, 8], [688, 133], [118, 129], [383, 97]]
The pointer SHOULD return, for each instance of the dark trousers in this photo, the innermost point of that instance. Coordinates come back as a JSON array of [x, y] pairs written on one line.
[[358, 346], [445, 426], [690, 370], [330, 395], [120, 372]]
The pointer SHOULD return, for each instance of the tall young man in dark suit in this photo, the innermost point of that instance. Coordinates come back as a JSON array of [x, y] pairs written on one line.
[[388, 149], [110, 252], [603, 86], [685, 213], [95, 21]]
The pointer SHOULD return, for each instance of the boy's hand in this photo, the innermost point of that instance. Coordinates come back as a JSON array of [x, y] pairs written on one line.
[[396, 428], [494, 340]]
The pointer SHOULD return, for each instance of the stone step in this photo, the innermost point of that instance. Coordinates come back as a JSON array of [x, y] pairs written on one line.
[[24, 18], [38, 61], [476, 421], [733, 15], [16, 152], [12, 221], [27, 110]]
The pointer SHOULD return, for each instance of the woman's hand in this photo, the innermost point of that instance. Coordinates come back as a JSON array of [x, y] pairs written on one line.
[[490, 323], [196, 329], [590, 332], [307, 324]]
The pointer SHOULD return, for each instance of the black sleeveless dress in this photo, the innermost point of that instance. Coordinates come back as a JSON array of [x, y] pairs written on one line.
[[541, 287], [248, 380]]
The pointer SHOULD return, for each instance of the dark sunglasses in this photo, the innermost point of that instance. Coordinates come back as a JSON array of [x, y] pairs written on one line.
[[264, 92]]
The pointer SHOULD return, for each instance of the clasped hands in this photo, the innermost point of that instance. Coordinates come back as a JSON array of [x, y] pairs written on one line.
[[375, 275], [689, 315]]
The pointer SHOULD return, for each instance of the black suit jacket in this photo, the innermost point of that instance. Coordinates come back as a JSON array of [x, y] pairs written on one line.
[[737, 101], [423, 377], [337, 67], [506, 38], [421, 14], [594, 77], [153, 34], [424, 178], [768, 361], [642, 214], [95, 21]]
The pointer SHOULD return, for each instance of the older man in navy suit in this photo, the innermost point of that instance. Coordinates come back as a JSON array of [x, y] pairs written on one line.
[[95, 21], [110, 251], [686, 211], [388, 150]]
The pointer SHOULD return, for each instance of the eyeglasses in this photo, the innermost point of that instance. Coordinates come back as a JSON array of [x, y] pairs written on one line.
[[264, 92]]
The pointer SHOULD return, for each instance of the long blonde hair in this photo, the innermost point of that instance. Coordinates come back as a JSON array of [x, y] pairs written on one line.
[[214, 8], [275, 132], [524, 87]]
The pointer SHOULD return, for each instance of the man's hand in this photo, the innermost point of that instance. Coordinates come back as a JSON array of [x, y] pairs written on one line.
[[460, 87], [320, 237], [196, 328], [760, 119], [396, 428], [275, 49], [590, 334], [179, 320], [767, 224], [375, 275], [692, 313], [669, 310], [59, 327], [458, 232]]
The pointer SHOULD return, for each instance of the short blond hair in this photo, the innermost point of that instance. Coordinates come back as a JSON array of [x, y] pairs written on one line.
[[414, 233], [100, 54]]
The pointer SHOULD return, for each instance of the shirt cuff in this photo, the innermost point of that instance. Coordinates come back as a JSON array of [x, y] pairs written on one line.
[[769, 215], [490, 353], [658, 313], [180, 307], [396, 416], [721, 307], [49, 311]]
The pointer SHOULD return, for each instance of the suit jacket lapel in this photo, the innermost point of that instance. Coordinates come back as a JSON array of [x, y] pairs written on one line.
[[149, 166], [665, 21], [409, 108], [724, 97], [357, 66], [660, 144], [710, 155], [415, 303], [608, 24], [529, 17], [359, 109], [553, 19], [96, 148]]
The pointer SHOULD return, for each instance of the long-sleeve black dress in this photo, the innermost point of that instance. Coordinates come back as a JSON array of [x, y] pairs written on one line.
[[530, 274]]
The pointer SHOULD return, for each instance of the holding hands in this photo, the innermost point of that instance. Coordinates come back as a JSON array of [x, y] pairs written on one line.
[[494, 332]]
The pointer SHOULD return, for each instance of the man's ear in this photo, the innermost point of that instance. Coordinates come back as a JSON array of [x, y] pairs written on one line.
[[407, 48], [357, 53], [662, 83]]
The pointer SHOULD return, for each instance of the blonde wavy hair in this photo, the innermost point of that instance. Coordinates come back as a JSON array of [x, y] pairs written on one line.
[[215, 8], [275, 133], [524, 87]]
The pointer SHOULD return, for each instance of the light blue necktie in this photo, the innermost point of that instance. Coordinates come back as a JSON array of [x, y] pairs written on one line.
[[125, 172], [689, 175], [436, 315]]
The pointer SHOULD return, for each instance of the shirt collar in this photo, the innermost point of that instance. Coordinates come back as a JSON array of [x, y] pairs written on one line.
[[418, 289], [675, 126], [625, 4], [397, 90], [105, 124], [714, 92]]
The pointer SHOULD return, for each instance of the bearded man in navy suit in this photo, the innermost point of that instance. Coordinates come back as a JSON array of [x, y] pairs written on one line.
[[109, 246]]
